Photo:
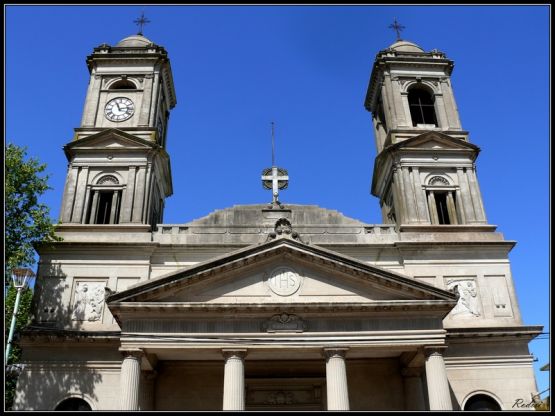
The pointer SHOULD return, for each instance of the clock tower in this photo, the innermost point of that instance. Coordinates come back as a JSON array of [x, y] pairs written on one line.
[[119, 170]]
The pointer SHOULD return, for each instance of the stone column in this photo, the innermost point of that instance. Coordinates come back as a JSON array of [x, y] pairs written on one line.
[[130, 377], [127, 203], [409, 196], [94, 208], [146, 401], [441, 114], [69, 193], [465, 196], [138, 199], [80, 192], [476, 196], [459, 206], [336, 379], [234, 379], [423, 215], [451, 208], [439, 396], [414, 391], [400, 210], [113, 207], [432, 207], [87, 205]]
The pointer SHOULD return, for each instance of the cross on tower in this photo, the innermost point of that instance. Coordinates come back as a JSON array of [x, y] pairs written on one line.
[[274, 178], [397, 27], [141, 21]]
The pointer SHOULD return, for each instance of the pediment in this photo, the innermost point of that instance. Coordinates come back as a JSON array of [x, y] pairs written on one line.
[[434, 140], [282, 271], [111, 139]]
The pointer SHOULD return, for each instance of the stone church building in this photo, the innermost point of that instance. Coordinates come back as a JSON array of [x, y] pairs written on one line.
[[274, 306]]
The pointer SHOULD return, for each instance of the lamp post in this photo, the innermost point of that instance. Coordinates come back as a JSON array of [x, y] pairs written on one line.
[[20, 278]]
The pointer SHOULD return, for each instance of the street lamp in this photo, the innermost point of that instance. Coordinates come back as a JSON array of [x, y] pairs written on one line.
[[20, 279]]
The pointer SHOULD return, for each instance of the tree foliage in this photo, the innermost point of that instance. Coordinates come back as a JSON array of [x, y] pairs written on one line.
[[27, 221], [22, 319]]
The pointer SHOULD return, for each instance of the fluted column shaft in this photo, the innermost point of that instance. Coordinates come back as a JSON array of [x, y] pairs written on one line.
[[439, 396], [336, 379], [234, 380], [130, 377], [414, 392]]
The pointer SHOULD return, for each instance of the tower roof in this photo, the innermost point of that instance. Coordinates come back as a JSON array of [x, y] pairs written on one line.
[[134, 41], [406, 46]]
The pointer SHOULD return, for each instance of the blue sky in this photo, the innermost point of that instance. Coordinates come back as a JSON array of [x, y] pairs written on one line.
[[237, 68]]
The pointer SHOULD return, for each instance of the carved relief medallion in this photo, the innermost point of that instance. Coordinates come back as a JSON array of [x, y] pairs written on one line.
[[468, 303], [89, 301], [284, 281]]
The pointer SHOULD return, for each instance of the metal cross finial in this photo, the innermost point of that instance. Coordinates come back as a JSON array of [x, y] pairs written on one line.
[[397, 27], [273, 146], [141, 22], [274, 178]]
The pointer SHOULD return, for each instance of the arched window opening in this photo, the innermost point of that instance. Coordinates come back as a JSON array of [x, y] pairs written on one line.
[[123, 84], [442, 201], [422, 109], [105, 201], [73, 404], [481, 402]]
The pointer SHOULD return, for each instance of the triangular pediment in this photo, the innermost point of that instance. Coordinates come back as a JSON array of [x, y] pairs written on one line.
[[434, 140], [109, 139], [282, 271]]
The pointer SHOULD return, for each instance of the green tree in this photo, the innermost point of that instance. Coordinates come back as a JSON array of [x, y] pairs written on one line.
[[27, 221], [27, 224], [22, 319]]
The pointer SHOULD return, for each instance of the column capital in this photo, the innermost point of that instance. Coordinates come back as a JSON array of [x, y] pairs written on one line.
[[330, 352], [434, 350], [131, 352], [234, 352]]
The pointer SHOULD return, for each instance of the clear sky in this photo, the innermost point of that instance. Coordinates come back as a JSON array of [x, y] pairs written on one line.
[[237, 68]]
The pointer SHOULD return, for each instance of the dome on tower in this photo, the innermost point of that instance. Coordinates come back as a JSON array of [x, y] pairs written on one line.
[[134, 41], [406, 46]]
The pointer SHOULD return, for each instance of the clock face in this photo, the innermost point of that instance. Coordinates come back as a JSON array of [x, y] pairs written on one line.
[[119, 109]]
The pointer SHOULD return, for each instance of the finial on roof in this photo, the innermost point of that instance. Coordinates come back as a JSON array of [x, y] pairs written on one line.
[[141, 21], [274, 178], [397, 27]]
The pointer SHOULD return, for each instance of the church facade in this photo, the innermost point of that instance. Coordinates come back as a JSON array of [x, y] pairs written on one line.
[[274, 306]]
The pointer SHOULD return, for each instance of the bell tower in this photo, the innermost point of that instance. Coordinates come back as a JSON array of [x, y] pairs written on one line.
[[425, 172], [119, 171]]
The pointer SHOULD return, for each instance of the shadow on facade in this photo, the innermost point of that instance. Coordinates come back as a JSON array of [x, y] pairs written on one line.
[[51, 330]]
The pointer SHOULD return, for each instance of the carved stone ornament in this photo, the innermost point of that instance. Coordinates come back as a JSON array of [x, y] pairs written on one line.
[[438, 180], [467, 304], [284, 322], [280, 397], [284, 229], [89, 301], [284, 281], [108, 180]]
